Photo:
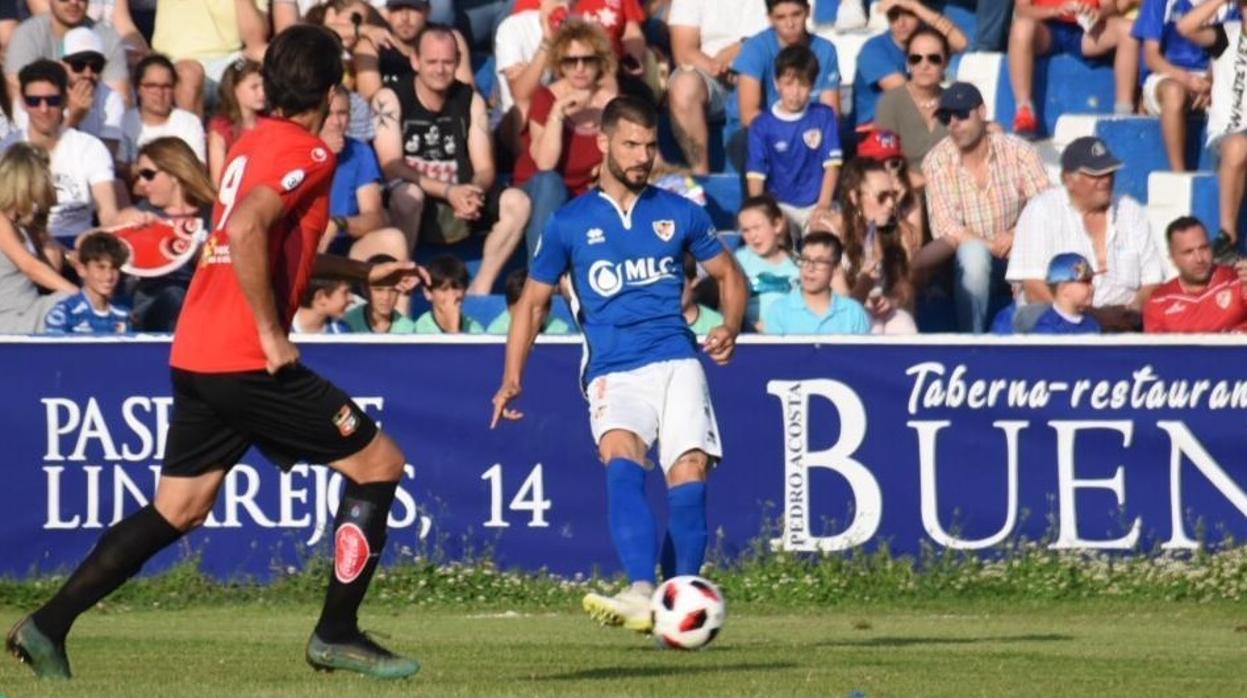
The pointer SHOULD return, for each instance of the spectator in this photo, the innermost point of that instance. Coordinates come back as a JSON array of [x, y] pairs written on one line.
[[93, 107], [757, 87], [560, 157], [992, 19], [794, 147], [7, 126], [1069, 281], [100, 257], [700, 318], [977, 184], [321, 309], [521, 53], [29, 259], [1087, 28], [886, 148], [1227, 114], [621, 21], [204, 38], [114, 14], [433, 138], [382, 62], [514, 287], [1205, 296], [477, 20], [882, 61], [81, 166], [379, 315], [241, 94], [814, 308], [43, 35], [448, 284], [1085, 217], [1179, 82], [174, 189], [877, 249], [764, 257], [155, 116], [909, 110], [705, 41]]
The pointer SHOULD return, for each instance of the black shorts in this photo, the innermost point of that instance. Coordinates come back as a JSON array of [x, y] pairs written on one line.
[[293, 416]]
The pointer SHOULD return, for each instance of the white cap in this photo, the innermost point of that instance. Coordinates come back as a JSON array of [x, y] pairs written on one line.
[[81, 40]]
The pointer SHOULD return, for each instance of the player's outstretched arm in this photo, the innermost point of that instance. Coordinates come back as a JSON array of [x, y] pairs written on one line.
[[247, 228], [527, 317], [406, 276], [733, 295]]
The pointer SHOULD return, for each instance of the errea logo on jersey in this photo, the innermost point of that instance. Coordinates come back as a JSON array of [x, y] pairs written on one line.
[[607, 278]]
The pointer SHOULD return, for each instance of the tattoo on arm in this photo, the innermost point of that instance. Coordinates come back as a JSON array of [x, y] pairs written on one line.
[[385, 116]]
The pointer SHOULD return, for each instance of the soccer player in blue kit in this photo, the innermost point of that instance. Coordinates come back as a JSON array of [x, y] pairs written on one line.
[[624, 243]]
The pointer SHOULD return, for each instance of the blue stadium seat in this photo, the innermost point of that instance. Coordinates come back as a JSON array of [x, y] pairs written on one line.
[[1054, 94], [723, 198]]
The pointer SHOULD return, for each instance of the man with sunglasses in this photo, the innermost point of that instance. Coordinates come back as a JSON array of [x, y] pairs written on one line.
[[92, 107], [881, 65]]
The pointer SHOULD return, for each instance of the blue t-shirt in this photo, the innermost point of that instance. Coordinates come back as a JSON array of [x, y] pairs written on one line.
[[880, 57], [627, 274], [1158, 21], [1052, 322], [767, 282], [792, 150], [757, 60], [357, 166], [790, 315], [74, 315]]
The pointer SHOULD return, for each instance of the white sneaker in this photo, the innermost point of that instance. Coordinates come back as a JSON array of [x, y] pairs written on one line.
[[629, 608], [850, 16]]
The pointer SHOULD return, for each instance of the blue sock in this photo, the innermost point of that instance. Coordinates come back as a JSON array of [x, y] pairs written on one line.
[[686, 506], [631, 520], [666, 558]]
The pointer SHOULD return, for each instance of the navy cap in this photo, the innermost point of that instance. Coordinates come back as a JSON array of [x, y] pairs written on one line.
[[960, 96], [1069, 266], [1089, 155]]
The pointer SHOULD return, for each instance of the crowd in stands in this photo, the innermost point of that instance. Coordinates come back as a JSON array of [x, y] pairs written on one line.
[[870, 200]]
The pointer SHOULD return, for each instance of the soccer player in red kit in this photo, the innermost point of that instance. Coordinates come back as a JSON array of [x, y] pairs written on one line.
[[237, 381], [1206, 297]]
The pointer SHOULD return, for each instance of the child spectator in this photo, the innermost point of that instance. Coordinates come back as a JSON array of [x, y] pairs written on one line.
[[242, 99], [1069, 279], [771, 272], [515, 287], [448, 284], [92, 311], [322, 307], [378, 315], [814, 308], [794, 147], [700, 318]]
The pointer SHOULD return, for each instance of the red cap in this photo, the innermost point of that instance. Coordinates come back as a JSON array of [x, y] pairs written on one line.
[[880, 145]]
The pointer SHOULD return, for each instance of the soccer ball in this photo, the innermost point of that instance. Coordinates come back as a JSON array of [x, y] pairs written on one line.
[[688, 612]]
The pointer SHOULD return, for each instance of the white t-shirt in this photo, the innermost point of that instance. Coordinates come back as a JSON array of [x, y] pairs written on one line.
[[517, 41], [79, 161], [722, 22], [1228, 112], [1050, 225], [180, 124], [103, 121]]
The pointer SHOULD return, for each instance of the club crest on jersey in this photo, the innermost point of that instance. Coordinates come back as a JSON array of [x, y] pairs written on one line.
[[1224, 298], [664, 229], [346, 421], [292, 179], [595, 236], [813, 138], [319, 154]]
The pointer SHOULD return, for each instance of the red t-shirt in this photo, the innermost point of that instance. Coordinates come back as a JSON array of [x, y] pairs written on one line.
[[1219, 308], [611, 15], [216, 332], [580, 148], [223, 127]]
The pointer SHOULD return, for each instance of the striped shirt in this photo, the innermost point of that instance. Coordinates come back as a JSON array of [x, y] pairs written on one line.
[[958, 206]]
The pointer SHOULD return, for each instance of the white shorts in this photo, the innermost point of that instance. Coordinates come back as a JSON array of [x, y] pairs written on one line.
[[1151, 93], [666, 401]]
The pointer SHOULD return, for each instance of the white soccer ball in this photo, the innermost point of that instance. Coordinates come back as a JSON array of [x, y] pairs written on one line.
[[688, 612]]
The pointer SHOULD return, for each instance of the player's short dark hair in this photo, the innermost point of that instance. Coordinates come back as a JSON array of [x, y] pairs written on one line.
[[1181, 224], [629, 108], [153, 59], [447, 271], [301, 65], [435, 28], [103, 246], [799, 60], [320, 284], [766, 203], [514, 286], [822, 237], [44, 70], [771, 4]]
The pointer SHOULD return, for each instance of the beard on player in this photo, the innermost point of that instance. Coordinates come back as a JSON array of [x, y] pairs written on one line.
[[634, 178]]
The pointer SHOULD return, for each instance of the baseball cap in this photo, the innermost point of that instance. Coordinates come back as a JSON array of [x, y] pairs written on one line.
[[879, 145], [1089, 155], [1069, 266], [960, 96], [81, 40], [413, 4]]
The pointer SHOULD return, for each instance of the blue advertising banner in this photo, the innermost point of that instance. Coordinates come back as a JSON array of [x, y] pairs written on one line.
[[946, 442]]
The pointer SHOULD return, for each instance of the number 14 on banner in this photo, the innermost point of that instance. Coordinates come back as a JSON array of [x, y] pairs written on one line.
[[530, 498]]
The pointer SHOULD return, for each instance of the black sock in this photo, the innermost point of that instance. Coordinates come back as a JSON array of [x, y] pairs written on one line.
[[119, 555], [359, 536]]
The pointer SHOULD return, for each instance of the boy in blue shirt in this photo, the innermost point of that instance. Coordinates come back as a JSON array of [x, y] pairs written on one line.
[[814, 308], [92, 312], [1069, 276], [756, 87], [794, 148]]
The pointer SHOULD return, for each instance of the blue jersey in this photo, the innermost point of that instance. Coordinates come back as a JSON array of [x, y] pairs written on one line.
[[791, 151], [757, 60], [1052, 322], [357, 167], [74, 315], [879, 58], [627, 274], [1158, 21]]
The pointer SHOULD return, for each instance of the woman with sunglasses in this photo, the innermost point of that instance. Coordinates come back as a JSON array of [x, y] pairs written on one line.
[[242, 99], [909, 110], [560, 155]]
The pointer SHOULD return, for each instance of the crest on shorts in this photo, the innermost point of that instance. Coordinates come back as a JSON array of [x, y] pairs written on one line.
[[664, 229], [346, 421], [813, 138], [1224, 298]]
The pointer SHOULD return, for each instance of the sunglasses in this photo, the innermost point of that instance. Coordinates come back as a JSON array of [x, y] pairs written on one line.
[[945, 116], [95, 64], [570, 62], [935, 59], [148, 174], [33, 101]]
